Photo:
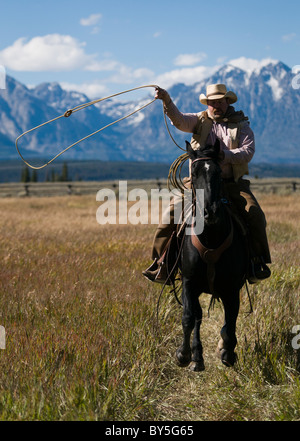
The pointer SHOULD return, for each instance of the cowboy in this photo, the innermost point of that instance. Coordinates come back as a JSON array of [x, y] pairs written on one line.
[[237, 147]]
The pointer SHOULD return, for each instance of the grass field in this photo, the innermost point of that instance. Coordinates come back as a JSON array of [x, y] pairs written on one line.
[[83, 341]]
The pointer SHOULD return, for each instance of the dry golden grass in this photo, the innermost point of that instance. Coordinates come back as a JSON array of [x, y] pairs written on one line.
[[82, 340]]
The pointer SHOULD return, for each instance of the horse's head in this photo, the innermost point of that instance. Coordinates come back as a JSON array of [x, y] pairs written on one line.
[[206, 175]]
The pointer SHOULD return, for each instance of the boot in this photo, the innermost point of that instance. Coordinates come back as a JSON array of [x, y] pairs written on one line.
[[157, 272], [258, 270], [151, 272]]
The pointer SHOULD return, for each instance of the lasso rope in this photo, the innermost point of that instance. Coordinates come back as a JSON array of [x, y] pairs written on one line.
[[69, 112], [174, 177]]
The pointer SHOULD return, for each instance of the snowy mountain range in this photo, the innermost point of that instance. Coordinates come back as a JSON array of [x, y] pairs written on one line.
[[265, 94]]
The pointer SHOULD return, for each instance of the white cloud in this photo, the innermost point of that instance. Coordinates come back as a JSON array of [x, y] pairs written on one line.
[[188, 76], [189, 59], [120, 73], [92, 89], [289, 37], [126, 75], [193, 75], [250, 65], [53, 52], [92, 20], [117, 73], [57, 52], [107, 64], [157, 34]]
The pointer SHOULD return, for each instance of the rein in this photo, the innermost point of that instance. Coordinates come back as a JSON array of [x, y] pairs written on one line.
[[204, 158]]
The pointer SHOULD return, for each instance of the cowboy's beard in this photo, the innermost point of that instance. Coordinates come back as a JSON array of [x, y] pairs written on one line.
[[216, 113]]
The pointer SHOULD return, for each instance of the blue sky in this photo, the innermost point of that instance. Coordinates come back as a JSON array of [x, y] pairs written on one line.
[[102, 47]]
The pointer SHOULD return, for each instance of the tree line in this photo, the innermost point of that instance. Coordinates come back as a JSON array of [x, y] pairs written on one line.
[[51, 176]]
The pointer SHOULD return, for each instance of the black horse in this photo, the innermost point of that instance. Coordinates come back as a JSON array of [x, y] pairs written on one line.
[[213, 262]]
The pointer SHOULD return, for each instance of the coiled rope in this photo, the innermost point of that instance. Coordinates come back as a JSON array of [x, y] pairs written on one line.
[[69, 112], [174, 177]]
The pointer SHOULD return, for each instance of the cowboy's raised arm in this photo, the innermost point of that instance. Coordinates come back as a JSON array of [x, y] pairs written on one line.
[[186, 122], [162, 94]]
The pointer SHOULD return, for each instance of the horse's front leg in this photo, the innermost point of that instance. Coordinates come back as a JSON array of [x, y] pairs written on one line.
[[190, 321], [228, 337], [197, 364]]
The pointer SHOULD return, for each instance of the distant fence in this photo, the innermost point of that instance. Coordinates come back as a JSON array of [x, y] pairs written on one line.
[[78, 188], [48, 189], [276, 186]]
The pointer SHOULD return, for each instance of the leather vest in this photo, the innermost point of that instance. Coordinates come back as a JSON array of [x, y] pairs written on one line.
[[203, 128]]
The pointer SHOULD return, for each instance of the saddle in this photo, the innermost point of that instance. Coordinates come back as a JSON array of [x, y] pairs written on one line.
[[170, 258], [164, 270]]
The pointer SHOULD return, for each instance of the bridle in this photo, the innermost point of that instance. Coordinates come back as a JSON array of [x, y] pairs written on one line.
[[204, 158]]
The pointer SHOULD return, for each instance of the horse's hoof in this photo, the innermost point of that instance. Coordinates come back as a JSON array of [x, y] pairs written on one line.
[[197, 366], [228, 358], [182, 360]]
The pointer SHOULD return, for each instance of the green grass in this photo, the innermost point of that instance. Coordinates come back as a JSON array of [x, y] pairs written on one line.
[[82, 337]]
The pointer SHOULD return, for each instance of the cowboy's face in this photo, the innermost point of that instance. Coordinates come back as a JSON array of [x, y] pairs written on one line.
[[218, 107]]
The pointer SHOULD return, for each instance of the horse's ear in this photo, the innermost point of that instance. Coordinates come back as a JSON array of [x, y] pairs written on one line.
[[190, 151]]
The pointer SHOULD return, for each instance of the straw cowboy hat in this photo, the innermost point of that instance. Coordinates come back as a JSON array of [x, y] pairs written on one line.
[[216, 92]]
